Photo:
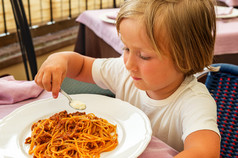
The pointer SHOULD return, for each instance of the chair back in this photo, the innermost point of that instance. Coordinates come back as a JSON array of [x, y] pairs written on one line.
[[223, 86], [25, 39]]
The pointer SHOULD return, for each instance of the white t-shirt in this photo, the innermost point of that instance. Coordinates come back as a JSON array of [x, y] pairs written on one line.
[[190, 108]]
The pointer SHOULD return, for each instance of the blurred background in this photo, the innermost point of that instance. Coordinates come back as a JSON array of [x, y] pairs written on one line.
[[53, 28]]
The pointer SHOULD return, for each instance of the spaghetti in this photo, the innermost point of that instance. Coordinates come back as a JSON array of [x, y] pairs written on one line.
[[78, 135]]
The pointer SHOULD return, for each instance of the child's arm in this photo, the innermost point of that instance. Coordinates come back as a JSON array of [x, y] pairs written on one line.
[[59, 65], [201, 144]]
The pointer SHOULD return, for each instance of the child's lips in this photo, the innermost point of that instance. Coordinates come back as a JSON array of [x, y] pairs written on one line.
[[136, 78]]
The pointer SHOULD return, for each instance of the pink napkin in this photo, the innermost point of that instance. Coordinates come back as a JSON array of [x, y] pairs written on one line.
[[12, 91]]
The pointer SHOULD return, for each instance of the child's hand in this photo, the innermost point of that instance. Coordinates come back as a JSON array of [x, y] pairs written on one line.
[[52, 73]]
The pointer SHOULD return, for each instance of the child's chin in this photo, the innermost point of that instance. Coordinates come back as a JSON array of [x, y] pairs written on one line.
[[140, 86]]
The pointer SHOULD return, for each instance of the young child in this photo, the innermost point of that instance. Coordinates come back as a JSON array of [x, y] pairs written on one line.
[[166, 42]]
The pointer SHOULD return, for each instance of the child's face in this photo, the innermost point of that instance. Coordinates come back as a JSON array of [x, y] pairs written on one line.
[[156, 75]]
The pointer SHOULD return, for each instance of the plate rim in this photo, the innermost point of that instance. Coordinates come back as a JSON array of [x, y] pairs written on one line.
[[234, 13]]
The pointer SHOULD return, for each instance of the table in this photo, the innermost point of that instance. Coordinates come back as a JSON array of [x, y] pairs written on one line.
[[231, 3], [156, 148], [97, 38]]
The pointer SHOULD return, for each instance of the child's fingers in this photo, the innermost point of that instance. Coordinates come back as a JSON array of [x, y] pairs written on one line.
[[38, 79], [56, 84], [47, 81]]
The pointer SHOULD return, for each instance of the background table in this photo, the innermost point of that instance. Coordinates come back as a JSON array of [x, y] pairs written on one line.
[[97, 38], [232, 3]]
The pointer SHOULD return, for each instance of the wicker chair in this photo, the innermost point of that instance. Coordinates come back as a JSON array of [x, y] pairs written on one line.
[[223, 86]]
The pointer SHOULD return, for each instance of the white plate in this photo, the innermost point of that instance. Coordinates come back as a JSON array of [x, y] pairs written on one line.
[[232, 14], [105, 18], [133, 126]]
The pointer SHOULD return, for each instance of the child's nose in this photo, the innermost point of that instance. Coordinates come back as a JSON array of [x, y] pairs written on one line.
[[130, 62]]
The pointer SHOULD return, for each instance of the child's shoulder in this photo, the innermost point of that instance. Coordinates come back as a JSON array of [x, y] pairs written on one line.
[[194, 91], [194, 86]]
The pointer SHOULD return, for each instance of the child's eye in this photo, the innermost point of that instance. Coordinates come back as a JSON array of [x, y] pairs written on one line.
[[126, 49], [144, 57]]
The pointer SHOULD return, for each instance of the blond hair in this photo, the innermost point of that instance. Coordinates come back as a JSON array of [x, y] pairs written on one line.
[[189, 29]]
